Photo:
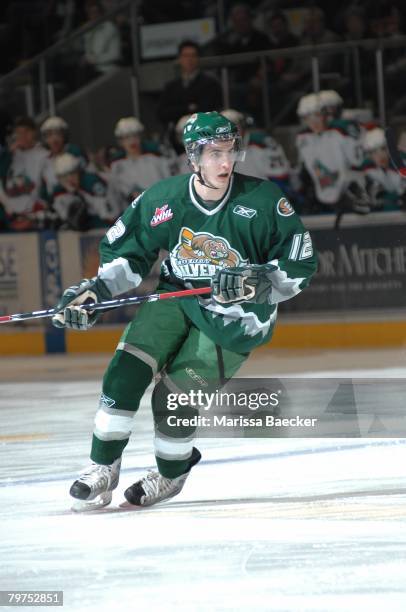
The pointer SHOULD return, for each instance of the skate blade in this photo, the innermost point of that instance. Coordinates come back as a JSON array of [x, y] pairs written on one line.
[[83, 505]]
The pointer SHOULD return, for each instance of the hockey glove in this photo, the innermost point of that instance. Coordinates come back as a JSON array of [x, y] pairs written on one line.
[[246, 284], [356, 199], [70, 314]]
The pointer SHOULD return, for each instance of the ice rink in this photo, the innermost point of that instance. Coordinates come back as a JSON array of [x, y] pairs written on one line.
[[299, 525]]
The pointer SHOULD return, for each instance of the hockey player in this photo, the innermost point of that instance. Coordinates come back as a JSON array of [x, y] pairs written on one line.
[[331, 103], [264, 156], [20, 171], [54, 134], [238, 233], [79, 197], [385, 184], [134, 170], [331, 156]]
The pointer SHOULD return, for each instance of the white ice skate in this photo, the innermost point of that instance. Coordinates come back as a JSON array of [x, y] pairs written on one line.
[[94, 488], [155, 488]]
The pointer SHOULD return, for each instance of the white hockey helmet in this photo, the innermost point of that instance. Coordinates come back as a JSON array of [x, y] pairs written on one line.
[[233, 115], [54, 123], [181, 124], [65, 164], [128, 126], [329, 97], [308, 104], [374, 139]]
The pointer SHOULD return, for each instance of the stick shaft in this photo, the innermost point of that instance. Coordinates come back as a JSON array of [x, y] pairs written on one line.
[[151, 297], [394, 153]]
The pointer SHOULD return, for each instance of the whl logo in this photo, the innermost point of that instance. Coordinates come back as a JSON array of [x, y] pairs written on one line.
[[161, 215]]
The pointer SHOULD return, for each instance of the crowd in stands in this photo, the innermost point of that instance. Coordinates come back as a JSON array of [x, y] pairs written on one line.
[[29, 26], [48, 182], [342, 162]]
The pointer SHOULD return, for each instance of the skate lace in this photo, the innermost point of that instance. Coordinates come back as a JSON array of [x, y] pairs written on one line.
[[96, 475], [154, 484]]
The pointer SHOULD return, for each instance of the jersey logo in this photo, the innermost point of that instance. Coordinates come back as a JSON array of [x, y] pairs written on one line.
[[199, 255], [284, 208], [161, 215], [327, 178], [243, 211], [106, 401]]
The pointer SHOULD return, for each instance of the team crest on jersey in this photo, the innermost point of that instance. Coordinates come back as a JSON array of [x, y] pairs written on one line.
[[161, 215], [200, 254], [284, 208], [325, 176], [243, 211]]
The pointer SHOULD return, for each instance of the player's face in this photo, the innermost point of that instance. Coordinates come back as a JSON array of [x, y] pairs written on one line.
[[131, 144], [55, 141], [25, 137], [217, 162], [71, 181], [380, 157], [316, 122]]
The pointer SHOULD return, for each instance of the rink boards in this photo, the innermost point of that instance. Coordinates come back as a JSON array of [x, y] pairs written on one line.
[[356, 300]]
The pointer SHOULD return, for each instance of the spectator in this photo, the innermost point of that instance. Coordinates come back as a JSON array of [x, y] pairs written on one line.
[[316, 33], [281, 74], [134, 170], [193, 91], [20, 172], [242, 37], [102, 46], [79, 198], [63, 17], [280, 37], [54, 133], [355, 28]]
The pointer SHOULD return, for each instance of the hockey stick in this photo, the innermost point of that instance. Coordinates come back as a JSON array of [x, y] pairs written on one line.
[[394, 152], [151, 297]]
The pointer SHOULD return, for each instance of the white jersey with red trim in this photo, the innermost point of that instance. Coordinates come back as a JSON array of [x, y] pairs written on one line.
[[332, 158], [23, 179], [264, 159], [130, 177]]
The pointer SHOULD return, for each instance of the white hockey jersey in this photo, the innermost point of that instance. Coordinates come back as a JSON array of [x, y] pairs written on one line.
[[264, 158], [332, 158], [130, 177], [22, 180], [92, 191], [386, 185], [48, 176]]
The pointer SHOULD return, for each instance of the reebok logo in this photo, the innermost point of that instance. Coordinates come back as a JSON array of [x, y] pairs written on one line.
[[161, 215], [243, 211]]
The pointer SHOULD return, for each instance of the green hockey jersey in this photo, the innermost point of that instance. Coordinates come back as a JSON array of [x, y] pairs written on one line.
[[253, 224]]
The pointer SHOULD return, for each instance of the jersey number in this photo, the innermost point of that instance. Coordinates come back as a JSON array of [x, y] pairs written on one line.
[[302, 247], [116, 231]]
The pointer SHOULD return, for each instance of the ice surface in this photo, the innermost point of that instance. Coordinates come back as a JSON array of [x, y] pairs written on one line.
[[262, 524]]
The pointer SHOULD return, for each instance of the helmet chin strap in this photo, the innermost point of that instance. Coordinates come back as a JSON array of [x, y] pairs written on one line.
[[202, 181]]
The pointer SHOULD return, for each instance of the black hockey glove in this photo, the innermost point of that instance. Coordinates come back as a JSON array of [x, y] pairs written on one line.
[[70, 314], [246, 284], [356, 199]]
